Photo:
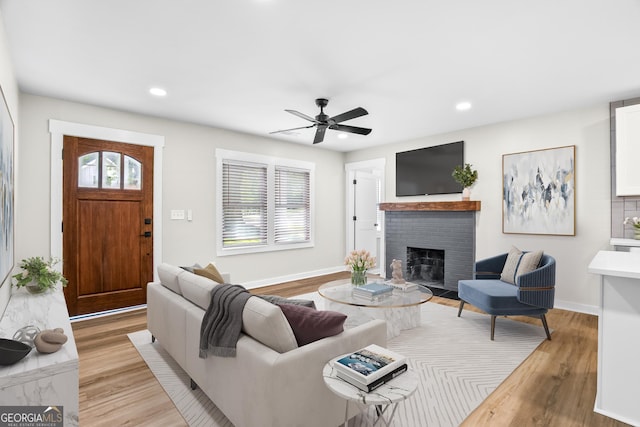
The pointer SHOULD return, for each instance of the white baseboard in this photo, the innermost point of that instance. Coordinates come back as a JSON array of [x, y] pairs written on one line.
[[291, 277], [580, 308]]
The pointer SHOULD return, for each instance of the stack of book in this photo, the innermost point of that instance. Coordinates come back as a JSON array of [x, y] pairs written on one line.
[[370, 367], [406, 286], [372, 291]]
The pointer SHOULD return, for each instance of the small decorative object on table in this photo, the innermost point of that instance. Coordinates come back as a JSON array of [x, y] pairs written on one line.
[[38, 275], [27, 334], [50, 340], [635, 221], [359, 262], [396, 273], [12, 351], [465, 177]]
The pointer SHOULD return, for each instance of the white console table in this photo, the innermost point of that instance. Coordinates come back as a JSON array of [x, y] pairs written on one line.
[[41, 379], [618, 326]]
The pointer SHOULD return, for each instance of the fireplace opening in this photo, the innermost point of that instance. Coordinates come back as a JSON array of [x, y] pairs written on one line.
[[425, 267]]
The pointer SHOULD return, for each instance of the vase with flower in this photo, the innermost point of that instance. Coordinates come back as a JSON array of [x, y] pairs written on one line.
[[635, 222], [359, 261]]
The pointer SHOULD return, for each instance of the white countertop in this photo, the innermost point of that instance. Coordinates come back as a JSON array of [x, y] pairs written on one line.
[[46, 311], [614, 263]]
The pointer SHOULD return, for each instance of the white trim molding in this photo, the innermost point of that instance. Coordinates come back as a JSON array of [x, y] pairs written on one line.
[[58, 130]]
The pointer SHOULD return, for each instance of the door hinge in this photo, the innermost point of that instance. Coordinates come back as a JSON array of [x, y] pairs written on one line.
[[355, 181], [62, 153], [354, 218], [62, 227]]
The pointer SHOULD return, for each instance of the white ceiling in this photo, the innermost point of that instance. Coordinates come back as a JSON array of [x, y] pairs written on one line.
[[237, 64]]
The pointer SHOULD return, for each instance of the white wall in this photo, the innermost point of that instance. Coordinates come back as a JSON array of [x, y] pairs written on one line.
[[188, 183], [10, 90], [588, 130]]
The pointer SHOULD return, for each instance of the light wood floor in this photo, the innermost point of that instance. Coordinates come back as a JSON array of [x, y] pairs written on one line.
[[555, 386]]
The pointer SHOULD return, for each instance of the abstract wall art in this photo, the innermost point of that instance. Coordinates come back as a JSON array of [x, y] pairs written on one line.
[[6, 191], [538, 192]]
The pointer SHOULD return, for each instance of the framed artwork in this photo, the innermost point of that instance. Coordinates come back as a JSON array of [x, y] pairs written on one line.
[[6, 190], [538, 192]]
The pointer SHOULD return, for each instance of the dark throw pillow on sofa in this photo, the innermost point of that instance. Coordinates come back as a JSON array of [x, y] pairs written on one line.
[[309, 324], [190, 268], [278, 300]]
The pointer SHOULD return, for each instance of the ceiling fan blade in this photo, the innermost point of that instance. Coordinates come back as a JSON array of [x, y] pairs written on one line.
[[288, 130], [351, 129], [356, 112], [320, 134], [301, 115]]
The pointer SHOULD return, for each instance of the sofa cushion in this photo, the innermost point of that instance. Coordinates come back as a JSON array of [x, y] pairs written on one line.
[[168, 275], [210, 272], [266, 323], [311, 325], [196, 289]]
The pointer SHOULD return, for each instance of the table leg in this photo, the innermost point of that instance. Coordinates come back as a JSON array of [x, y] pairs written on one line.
[[346, 414], [380, 410]]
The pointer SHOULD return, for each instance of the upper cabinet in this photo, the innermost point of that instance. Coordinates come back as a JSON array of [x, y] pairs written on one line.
[[628, 150]]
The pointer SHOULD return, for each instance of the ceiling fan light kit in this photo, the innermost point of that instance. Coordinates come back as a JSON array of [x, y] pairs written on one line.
[[322, 121]]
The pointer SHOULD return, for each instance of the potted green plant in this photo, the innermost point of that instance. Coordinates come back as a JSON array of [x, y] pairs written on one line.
[[38, 275], [466, 177]]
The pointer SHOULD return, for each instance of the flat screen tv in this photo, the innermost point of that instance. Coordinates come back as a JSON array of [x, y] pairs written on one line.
[[428, 170]]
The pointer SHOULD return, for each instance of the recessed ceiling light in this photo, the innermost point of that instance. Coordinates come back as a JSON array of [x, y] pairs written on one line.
[[157, 91], [343, 136], [463, 106]]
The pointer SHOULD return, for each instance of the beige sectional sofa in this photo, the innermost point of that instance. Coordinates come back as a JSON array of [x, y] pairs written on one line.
[[271, 381]]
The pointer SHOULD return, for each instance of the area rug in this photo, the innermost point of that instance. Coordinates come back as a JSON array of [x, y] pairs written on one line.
[[459, 366]]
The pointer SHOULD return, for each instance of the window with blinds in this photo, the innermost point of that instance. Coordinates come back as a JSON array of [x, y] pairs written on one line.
[[292, 210], [244, 208], [264, 203]]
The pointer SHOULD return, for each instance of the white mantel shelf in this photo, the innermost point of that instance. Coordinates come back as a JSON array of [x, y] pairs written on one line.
[[618, 323]]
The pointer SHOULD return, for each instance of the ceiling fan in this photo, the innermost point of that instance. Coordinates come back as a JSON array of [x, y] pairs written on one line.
[[324, 122]]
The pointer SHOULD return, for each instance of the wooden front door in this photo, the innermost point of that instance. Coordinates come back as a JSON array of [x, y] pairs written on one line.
[[107, 224]]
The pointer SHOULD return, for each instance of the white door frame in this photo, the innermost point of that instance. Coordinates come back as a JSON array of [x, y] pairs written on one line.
[[377, 167], [58, 130]]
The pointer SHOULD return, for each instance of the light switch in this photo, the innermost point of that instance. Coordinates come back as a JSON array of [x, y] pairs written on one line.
[[177, 214], [189, 215]]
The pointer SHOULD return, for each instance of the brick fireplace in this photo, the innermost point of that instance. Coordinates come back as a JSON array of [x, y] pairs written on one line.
[[432, 228]]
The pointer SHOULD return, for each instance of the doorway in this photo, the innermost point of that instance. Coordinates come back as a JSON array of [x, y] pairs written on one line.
[[107, 224], [365, 222], [128, 139]]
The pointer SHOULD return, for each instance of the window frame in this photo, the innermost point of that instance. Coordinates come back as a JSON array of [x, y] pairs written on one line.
[[271, 163]]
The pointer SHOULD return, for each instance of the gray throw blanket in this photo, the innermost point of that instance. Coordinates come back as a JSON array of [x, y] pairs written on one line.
[[222, 322]]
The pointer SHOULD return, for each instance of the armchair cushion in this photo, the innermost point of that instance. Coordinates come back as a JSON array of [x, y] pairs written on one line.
[[495, 297]]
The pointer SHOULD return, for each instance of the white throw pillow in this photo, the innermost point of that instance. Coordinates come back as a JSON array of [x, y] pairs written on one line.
[[511, 266]]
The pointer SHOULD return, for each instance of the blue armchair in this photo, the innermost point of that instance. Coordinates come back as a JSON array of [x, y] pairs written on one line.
[[532, 294]]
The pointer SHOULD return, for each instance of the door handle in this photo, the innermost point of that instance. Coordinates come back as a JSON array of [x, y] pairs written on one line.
[[146, 234]]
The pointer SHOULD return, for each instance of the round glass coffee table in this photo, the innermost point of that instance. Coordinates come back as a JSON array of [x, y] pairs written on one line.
[[401, 309]]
